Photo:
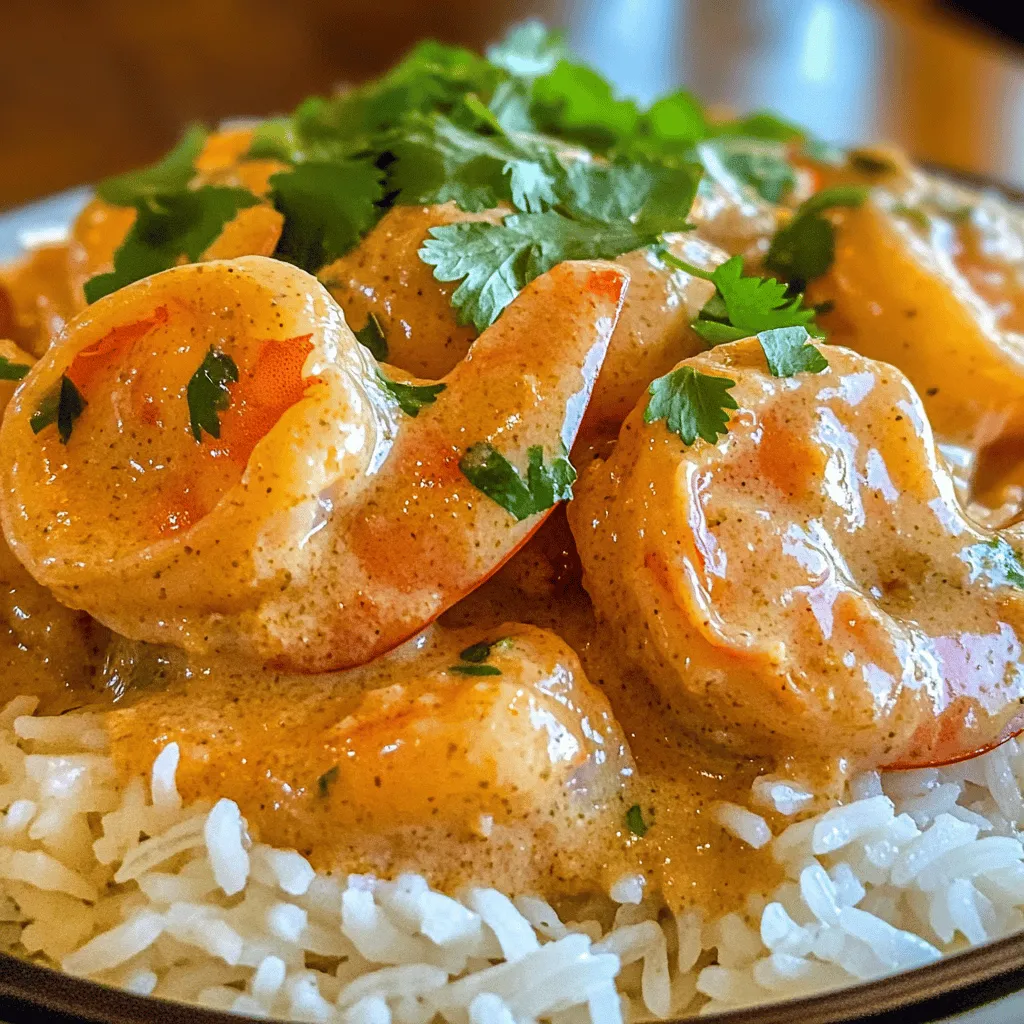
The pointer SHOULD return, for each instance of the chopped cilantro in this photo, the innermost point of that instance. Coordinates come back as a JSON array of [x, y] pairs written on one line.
[[788, 351], [371, 336], [327, 208], [62, 404], [168, 228], [12, 371], [494, 262], [995, 562], [208, 392], [169, 175], [743, 306], [805, 247], [867, 162], [477, 652], [692, 404], [761, 124], [763, 166], [476, 670], [328, 779], [436, 160], [528, 50], [635, 822], [492, 474], [411, 397]]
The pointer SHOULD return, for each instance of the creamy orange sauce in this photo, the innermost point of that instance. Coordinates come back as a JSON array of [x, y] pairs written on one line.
[[795, 599]]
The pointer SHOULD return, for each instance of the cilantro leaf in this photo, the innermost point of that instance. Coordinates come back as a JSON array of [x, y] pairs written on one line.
[[745, 306], [208, 392], [495, 262], [995, 562], [577, 104], [167, 228], [635, 822], [692, 404], [788, 351], [411, 397], [762, 166], [481, 651], [761, 124], [168, 175], [528, 50], [476, 670], [805, 247], [12, 371], [371, 336], [492, 474], [327, 207], [328, 779], [646, 193], [436, 160], [62, 404]]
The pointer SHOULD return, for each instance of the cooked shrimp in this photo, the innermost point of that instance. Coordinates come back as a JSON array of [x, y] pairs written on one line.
[[810, 582], [240, 476], [46, 650], [411, 756], [385, 278], [101, 227], [941, 296]]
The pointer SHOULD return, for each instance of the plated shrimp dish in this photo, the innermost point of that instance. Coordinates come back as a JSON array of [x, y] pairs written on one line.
[[476, 549]]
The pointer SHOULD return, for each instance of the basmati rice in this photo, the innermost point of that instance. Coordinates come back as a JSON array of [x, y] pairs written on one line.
[[132, 888]]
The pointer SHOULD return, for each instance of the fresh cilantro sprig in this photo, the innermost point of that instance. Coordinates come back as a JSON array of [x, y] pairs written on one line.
[[805, 247], [492, 474], [692, 404], [168, 228], [12, 371], [743, 306], [61, 405], [167, 176], [494, 262], [327, 208], [209, 393], [411, 397]]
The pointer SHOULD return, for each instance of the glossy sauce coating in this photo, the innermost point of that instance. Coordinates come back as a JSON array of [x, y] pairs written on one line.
[[807, 586]]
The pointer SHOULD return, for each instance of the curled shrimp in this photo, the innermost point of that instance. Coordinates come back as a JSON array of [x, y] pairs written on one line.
[[809, 580], [210, 459]]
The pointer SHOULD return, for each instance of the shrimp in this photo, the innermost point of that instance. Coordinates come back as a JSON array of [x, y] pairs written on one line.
[[224, 467], [46, 650], [932, 280], [810, 581], [385, 278], [509, 751]]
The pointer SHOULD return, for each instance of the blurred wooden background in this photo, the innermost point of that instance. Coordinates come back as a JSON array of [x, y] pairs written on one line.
[[93, 86]]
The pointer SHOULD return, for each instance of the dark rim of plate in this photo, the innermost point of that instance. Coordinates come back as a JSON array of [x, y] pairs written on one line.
[[959, 982]]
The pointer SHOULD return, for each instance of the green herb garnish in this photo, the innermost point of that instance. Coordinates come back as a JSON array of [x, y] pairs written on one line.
[[411, 397], [788, 351], [209, 394], [492, 474], [327, 208], [62, 404], [168, 228], [635, 822], [475, 670], [167, 176], [12, 371], [324, 783], [692, 404], [371, 336], [805, 247]]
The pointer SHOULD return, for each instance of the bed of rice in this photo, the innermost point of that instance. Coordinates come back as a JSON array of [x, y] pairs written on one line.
[[131, 888]]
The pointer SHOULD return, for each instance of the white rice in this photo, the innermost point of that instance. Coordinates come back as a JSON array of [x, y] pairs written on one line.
[[132, 888]]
